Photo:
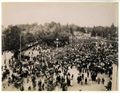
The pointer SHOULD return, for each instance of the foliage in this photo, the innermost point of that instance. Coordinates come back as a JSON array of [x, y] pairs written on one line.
[[22, 35]]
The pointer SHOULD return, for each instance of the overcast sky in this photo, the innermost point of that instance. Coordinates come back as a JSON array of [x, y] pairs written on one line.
[[82, 14]]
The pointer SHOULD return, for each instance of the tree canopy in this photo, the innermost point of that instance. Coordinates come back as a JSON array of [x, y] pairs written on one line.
[[22, 35]]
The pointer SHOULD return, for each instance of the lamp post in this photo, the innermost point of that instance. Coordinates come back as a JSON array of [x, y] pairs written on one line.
[[4, 47], [20, 46], [56, 42]]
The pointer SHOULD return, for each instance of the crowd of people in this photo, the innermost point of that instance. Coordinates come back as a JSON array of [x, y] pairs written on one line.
[[48, 68]]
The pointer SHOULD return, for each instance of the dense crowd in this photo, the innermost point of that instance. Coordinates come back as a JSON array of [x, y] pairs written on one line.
[[47, 68]]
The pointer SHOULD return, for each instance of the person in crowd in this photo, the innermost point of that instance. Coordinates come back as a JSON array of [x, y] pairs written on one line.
[[109, 86], [103, 80], [85, 80], [98, 80]]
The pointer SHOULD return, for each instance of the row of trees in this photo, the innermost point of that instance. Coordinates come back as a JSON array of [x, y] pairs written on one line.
[[110, 33], [19, 36]]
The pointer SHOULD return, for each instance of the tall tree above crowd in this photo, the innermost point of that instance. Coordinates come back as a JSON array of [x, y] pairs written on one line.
[[11, 38]]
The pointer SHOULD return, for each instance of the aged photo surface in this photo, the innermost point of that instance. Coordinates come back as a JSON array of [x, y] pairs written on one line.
[[59, 46]]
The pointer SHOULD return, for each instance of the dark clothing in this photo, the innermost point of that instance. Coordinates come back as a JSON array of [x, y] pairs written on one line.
[[85, 80]]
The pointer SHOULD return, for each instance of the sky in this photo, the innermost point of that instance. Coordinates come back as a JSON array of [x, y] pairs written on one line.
[[82, 14]]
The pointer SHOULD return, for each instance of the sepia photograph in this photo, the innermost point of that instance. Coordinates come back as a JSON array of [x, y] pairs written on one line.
[[59, 46]]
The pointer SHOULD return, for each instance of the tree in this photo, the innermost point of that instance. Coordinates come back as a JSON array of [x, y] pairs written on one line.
[[93, 33], [11, 38]]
